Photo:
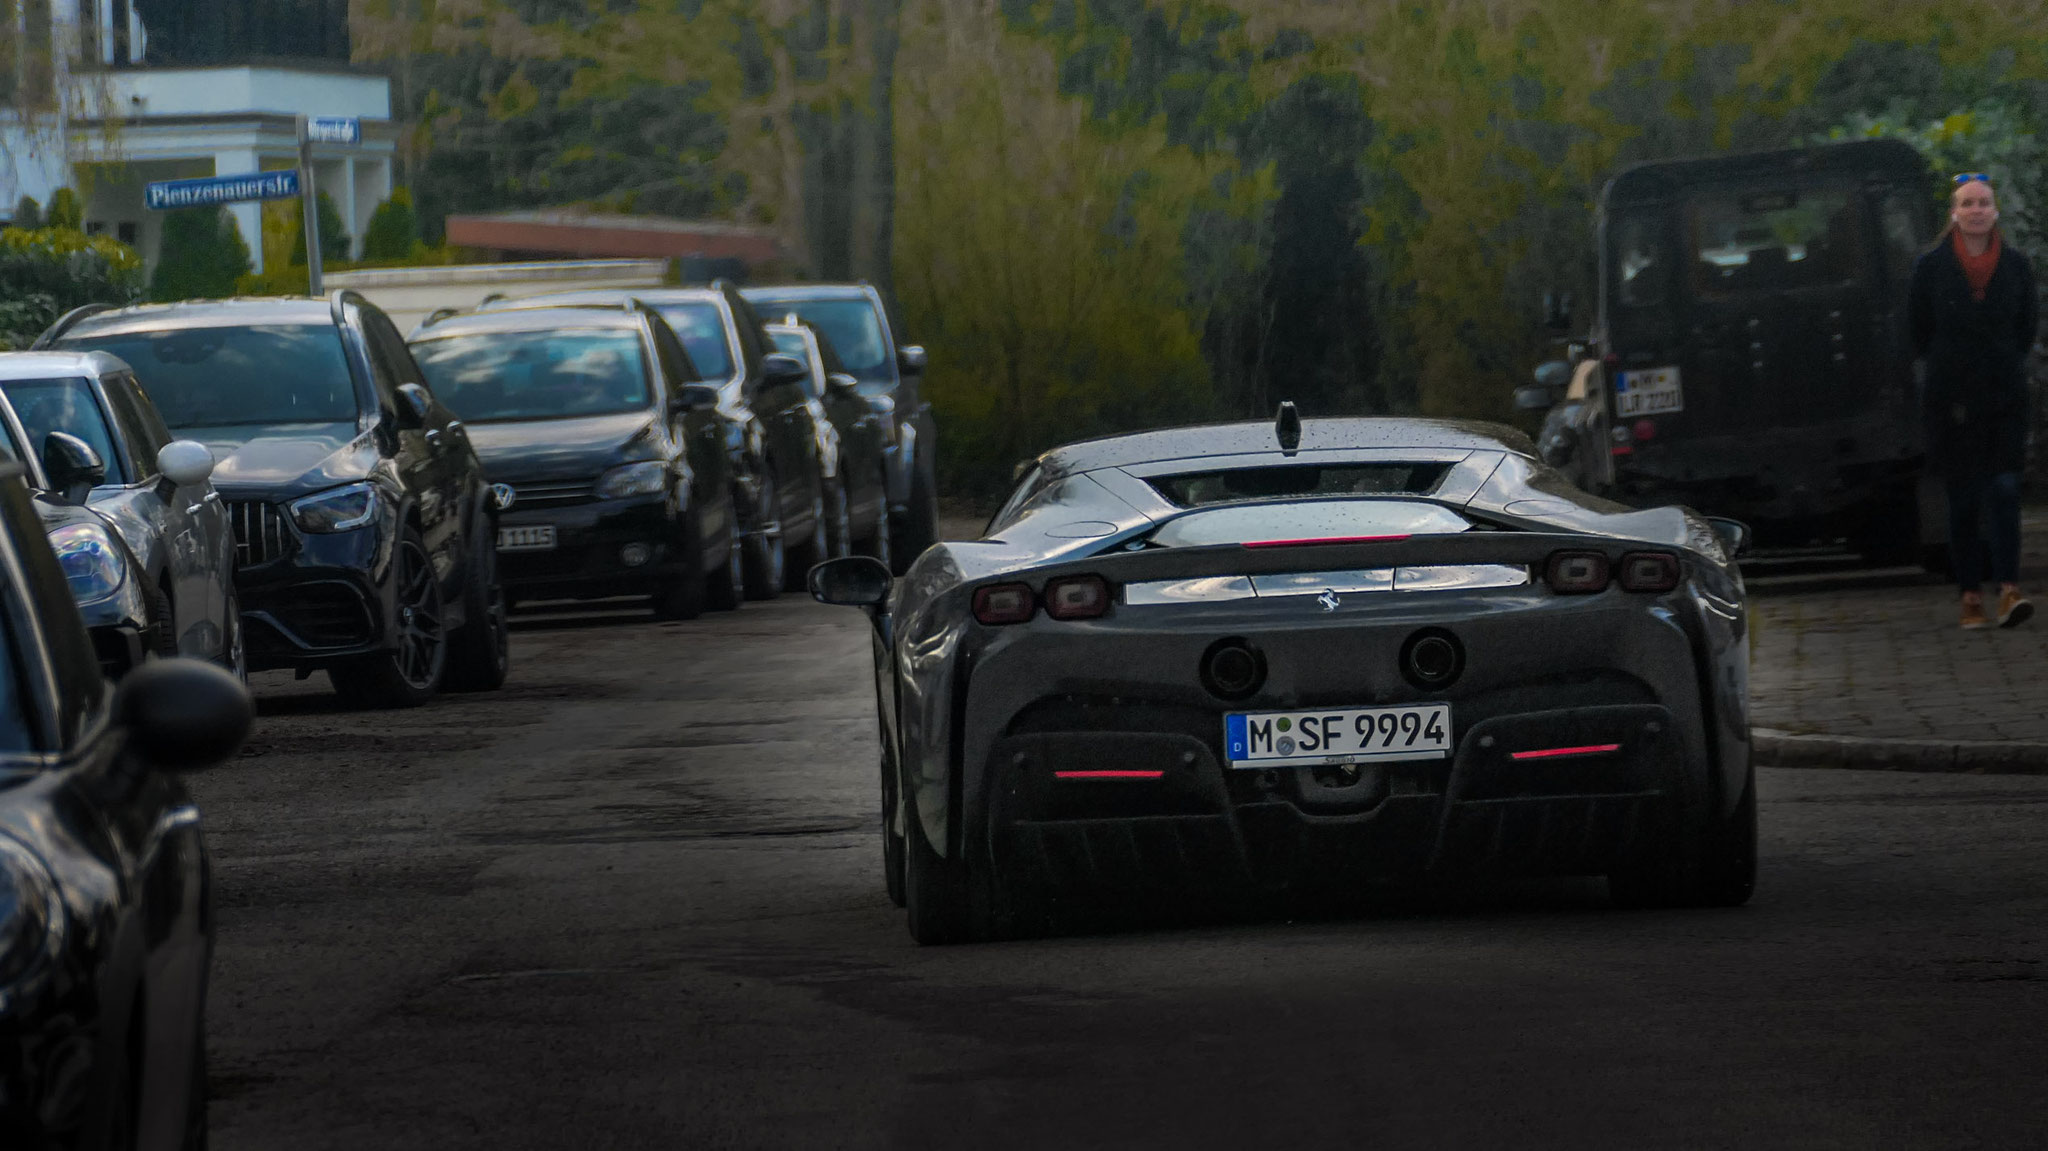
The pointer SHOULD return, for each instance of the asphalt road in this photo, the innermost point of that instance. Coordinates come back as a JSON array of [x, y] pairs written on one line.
[[634, 900]]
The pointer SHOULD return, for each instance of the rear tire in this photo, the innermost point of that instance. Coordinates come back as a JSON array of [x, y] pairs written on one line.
[[480, 655], [940, 895], [726, 587], [764, 557], [816, 546], [1701, 866]]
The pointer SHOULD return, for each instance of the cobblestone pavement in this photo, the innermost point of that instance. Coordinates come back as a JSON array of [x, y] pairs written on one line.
[[1889, 662]]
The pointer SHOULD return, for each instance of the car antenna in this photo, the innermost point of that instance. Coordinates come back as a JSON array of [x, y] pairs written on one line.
[[1287, 426]]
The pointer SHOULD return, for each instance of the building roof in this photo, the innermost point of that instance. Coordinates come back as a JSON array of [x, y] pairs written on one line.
[[593, 234]]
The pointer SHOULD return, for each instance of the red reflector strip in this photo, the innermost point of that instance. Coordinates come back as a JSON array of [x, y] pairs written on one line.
[[1564, 752], [1621, 450], [1108, 774], [1325, 540]]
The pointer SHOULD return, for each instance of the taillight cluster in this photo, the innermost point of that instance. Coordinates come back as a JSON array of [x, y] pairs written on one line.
[[1583, 573], [1066, 598]]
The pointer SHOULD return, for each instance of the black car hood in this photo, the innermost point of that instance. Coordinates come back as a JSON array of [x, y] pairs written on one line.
[[516, 451], [286, 459]]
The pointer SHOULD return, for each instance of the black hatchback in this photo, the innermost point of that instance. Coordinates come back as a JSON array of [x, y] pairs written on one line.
[[363, 523], [606, 451]]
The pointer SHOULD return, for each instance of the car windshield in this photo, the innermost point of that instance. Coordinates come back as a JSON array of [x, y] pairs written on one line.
[[1759, 240], [850, 325], [540, 375], [64, 405], [224, 376], [701, 328], [1309, 520], [1239, 484]]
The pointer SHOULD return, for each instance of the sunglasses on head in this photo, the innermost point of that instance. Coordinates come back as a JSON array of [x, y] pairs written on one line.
[[1972, 177]]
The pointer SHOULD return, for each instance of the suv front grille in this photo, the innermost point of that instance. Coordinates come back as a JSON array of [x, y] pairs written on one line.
[[261, 535], [552, 493]]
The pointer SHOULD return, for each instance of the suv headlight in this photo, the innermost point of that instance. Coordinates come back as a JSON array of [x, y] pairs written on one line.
[[337, 510], [91, 561], [31, 918], [646, 478]]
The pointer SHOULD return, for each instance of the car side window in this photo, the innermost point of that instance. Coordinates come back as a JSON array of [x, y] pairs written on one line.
[[675, 359], [143, 437], [68, 405]]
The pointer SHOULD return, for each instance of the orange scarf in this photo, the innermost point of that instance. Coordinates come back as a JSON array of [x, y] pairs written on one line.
[[1978, 269]]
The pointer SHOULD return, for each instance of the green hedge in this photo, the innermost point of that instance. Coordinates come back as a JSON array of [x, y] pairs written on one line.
[[45, 272]]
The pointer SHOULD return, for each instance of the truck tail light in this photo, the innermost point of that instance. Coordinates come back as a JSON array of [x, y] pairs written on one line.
[[1576, 573], [1077, 597], [1002, 603], [1649, 571]]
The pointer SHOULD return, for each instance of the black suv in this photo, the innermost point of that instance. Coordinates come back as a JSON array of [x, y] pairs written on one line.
[[365, 530], [605, 450]]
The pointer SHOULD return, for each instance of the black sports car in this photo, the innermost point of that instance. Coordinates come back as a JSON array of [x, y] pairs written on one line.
[[605, 449], [106, 914], [364, 525], [137, 526], [1258, 658]]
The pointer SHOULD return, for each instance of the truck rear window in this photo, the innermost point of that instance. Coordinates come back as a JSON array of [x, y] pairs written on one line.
[[1765, 239]]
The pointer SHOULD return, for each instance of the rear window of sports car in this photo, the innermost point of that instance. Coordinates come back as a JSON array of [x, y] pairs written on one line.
[[1307, 521], [1294, 481]]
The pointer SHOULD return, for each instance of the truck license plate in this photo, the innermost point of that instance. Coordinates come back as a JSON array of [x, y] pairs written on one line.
[[1648, 391]]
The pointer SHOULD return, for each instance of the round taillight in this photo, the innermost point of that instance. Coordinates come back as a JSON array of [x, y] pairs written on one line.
[[1004, 603], [1644, 431], [1432, 658], [1233, 669], [1649, 571], [1077, 597]]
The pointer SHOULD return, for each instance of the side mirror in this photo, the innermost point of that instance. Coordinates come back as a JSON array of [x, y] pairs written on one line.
[[781, 371], [183, 714], [1557, 310], [1535, 398], [851, 581], [842, 384], [911, 359], [882, 405], [414, 406], [697, 397], [73, 467], [1554, 374], [185, 462], [1735, 535]]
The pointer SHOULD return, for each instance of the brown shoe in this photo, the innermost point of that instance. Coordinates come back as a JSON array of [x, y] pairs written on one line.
[[2013, 608], [1973, 616]]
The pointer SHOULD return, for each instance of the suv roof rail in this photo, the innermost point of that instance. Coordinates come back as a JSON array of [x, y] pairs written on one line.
[[64, 323], [437, 315]]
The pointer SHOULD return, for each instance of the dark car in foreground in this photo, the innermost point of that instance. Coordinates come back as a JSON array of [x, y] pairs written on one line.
[[106, 914], [853, 448], [858, 323], [777, 478], [150, 553], [605, 449], [1221, 662], [364, 528]]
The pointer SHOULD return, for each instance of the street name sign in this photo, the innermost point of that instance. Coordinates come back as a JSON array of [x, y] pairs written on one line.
[[163, 195], [334, 129]]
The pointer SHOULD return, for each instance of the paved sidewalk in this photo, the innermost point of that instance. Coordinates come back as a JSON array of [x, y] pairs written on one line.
[[1883, 677]]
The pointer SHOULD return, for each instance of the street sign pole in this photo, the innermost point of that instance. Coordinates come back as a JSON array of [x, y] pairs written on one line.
[[309, 201]]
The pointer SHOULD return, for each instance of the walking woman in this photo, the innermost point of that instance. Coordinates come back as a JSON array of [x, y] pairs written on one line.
[[1974, 317]]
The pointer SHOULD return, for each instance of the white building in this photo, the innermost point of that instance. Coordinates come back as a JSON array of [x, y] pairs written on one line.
[[91, 107]]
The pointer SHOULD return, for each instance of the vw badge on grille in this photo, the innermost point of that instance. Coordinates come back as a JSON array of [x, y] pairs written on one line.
[[504, 494], [1329, 599]]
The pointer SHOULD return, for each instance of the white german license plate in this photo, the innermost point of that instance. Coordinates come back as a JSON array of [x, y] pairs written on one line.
[[1337, 735], [537, 538], [1648, 391]]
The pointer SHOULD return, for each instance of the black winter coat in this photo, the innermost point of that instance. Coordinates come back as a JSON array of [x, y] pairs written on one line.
[[1975, 392]]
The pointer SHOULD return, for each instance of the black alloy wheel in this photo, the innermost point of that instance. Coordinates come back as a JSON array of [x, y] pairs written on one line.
[[234, 652], [684, 589], [725, 585], [410, 673], [816, 546], [480, 655], [765, 558], [161, 639]]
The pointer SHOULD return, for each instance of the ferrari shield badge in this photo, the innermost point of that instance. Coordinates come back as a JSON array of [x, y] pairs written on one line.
[[1329, 599]]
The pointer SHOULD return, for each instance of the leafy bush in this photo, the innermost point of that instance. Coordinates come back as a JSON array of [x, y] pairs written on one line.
[[203, 256], [1991, 136], [45, 272], [65, 210], [333, 238], [394, 230], [27, 214]]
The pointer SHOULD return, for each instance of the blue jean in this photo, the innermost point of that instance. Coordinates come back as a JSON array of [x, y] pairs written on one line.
[[1969, 500]]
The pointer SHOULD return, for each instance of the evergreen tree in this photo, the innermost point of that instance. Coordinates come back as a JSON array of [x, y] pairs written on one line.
[[65, 210], [333, 239], [28, 214], [203, 254], [394, 228]]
